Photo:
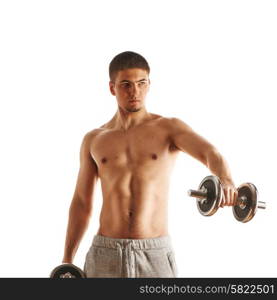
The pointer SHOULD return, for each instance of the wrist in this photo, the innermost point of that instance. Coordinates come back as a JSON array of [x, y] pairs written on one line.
[[226, 180], [67, 260]]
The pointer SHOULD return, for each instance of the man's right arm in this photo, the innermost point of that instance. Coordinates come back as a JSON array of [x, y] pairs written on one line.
[[82, 203]]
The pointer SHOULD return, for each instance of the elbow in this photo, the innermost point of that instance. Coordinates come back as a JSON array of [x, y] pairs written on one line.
[[84, 207]]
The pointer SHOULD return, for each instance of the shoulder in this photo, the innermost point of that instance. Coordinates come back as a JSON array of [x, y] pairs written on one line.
[[173, 124], [159, 119], [89, 136], [91, 133]]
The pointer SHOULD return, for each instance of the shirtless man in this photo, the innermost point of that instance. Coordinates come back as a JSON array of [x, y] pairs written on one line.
[[133, 155]]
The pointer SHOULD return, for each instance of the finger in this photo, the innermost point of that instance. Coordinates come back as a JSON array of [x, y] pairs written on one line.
[[222, 201], [226, 196], [235, 196], [232, 197], [230, 194]]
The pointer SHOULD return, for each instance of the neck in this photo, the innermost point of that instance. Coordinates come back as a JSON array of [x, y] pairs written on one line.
[[124, 120]]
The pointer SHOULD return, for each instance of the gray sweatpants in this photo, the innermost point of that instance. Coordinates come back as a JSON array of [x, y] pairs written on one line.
[[111, 257]]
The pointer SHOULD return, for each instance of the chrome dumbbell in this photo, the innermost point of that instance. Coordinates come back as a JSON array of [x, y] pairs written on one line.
[[67, 270], [209, 194]]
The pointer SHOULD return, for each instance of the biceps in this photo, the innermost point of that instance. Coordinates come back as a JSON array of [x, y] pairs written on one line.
[[86, 182], [193, 144]]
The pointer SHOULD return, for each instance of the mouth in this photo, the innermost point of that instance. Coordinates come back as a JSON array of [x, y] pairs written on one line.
[[134, 101]]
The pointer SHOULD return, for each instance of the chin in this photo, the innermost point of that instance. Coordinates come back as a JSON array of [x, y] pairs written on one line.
[[133, 109]]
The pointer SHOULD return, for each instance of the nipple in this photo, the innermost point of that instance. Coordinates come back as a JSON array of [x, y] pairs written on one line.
[[104, 160], [154, 156]]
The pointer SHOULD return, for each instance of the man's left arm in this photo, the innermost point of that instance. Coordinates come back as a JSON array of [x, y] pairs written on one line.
[[187, 140]]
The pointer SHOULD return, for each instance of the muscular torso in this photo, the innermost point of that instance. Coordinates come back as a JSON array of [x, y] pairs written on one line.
[[134, 168]]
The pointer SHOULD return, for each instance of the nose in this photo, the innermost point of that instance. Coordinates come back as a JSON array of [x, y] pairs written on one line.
[[134, 92]]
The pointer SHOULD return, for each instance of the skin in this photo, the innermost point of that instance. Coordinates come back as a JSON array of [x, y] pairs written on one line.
[[133, 155]]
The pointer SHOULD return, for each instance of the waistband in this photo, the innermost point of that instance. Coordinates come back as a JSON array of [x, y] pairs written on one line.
[[148, 243]]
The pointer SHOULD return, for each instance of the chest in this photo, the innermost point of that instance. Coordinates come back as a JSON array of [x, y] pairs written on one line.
[[135, 147]]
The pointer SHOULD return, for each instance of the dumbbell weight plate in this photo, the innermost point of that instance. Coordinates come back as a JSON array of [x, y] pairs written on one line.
[[67, 268], [214, 193], [246, 213]]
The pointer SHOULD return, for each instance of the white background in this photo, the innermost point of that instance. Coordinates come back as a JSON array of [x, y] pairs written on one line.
[[213, 65]]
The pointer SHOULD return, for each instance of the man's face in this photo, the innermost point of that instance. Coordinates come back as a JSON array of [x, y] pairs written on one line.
[[130, 88]]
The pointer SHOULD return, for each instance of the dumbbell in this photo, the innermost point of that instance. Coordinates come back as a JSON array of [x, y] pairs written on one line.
[[210, 192], [67, 270]]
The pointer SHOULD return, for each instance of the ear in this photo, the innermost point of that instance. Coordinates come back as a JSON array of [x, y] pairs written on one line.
[[111, 85]]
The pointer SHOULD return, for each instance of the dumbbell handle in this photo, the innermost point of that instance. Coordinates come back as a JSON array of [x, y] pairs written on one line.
[[202, 194], [197, 194]]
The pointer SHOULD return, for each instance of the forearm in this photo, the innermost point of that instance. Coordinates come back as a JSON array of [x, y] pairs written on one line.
[[219, 166], [77, 224]]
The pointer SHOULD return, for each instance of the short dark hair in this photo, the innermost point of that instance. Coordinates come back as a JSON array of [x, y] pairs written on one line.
[[127, 60]]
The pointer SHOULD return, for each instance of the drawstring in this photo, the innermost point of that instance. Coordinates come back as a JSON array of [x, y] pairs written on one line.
[[128, 248]]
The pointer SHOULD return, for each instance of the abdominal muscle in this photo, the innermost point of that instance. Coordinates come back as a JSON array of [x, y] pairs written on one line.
[[134, 208]]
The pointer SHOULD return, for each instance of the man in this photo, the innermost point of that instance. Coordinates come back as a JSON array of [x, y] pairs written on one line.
[[133, 155]]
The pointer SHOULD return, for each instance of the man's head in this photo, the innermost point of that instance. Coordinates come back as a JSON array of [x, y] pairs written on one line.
[[129, 80]]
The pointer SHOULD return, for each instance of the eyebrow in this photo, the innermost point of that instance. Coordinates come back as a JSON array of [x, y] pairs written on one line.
[[144, 79]]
